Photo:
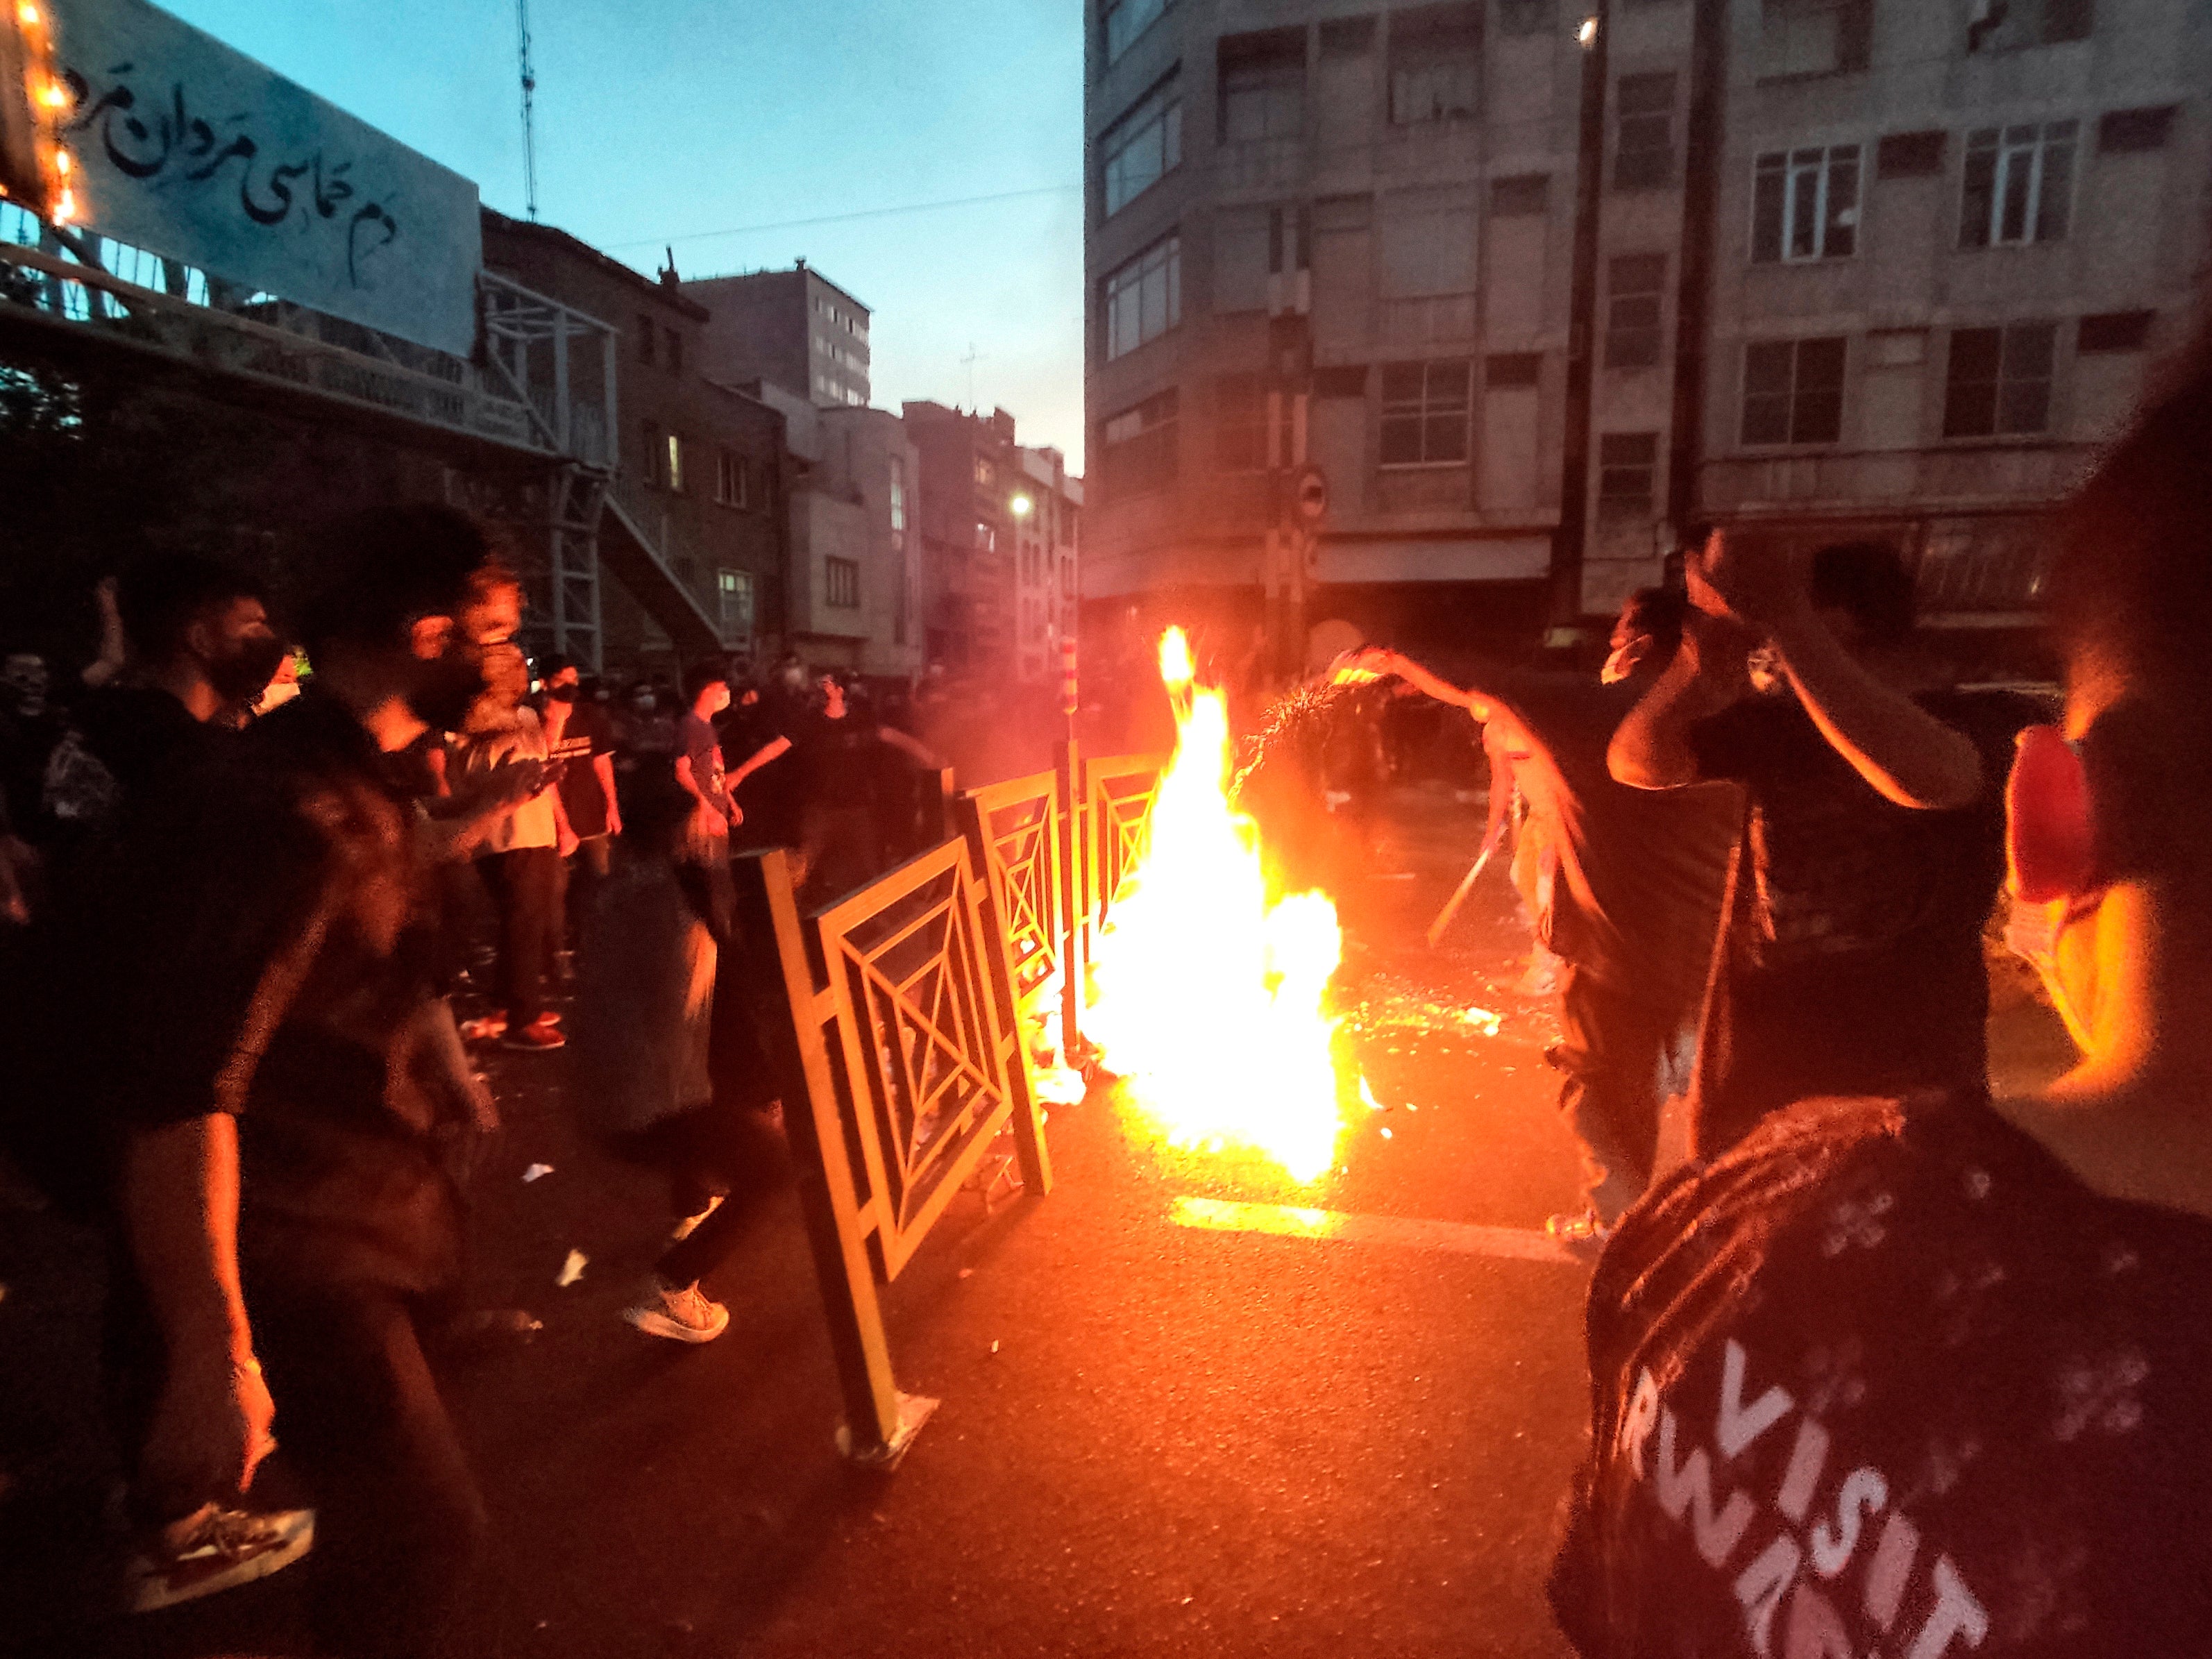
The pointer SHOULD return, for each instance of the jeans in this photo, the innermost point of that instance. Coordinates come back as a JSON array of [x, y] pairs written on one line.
[[1613, 1050], [526, 885]]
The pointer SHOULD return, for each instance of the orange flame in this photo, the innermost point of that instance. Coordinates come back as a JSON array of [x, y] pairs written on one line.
[[1208, 994]]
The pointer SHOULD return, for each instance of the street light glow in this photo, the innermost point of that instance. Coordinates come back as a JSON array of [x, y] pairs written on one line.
[[1588, 31], [1020, 506]]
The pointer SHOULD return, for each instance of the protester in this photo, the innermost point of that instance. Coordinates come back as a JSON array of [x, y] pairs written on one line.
[[1872, 849], [660, 969], [1629, 892], [282, 1183], [1925, 1378], [839, 754], [699, 769], [580, 742], [520, 861]]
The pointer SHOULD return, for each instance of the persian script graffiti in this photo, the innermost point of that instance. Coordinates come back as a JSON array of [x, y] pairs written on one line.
[[167, 141]]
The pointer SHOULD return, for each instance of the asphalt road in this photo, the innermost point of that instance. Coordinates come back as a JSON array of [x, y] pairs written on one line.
[[1154, 1438]]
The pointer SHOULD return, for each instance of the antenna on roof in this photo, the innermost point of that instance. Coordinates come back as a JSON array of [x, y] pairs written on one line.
[[529, 136]]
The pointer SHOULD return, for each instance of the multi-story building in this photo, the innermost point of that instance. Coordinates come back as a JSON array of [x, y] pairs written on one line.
[[694, 525], [999, 530], [854, 577], [1433, 316], [795, 328]]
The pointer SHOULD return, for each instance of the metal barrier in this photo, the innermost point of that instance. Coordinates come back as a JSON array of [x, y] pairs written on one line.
[[900, 1060], [898, 1033]]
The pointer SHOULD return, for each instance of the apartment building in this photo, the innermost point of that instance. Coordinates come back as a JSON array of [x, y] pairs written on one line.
[[1448, 318], [793, 328], [999, 530], [854, 573], [693, 521]]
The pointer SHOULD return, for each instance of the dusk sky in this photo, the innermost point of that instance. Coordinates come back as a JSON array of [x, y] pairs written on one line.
[[663, 121]]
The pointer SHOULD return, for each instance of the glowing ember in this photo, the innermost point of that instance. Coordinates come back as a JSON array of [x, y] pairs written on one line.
[[1208, 996]]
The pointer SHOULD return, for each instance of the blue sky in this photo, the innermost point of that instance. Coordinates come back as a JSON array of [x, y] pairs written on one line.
[[661, 120]]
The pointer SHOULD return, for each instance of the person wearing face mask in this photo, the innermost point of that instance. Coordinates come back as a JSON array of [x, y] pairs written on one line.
[[1926, 1376], [580, 742], [291, 1215], [1627, 892]]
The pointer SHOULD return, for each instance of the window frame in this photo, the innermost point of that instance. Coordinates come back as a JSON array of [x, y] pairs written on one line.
[[1161, 107], [1130, 276], [1798, 400], [1781, 179], [1157, 428], [1614, 505], [2004, 149], [1147, 13], [1437, 410], [1644, 175], [730, 582], [1635, 314], [840, 583], [2012, 338]]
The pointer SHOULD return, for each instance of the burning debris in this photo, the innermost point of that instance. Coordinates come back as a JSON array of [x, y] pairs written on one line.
[[1209, 990]]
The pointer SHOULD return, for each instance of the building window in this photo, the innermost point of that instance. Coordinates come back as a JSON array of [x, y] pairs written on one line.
[[675, 473], [1504, 369], [1139, 447], [1124, 20], [1643, 132], [1627, 464], [1999, 380], [2114, 331], [2012, 25], [2126, 129], [841, 582], [1805, 204], [985, 474], [647, 334], [1240, 423], [1813, 37], [1144, 145], [1263, 88], [1910, 154], [656, 456], [1143, 298], [730, 479], [1436, 63], [734, 593], [1527, 16], [674, 355], [1068, 516], [1523, 194], [1793, 392], [1635, 284], [1425, 412], [2019, 185], [898, 501]]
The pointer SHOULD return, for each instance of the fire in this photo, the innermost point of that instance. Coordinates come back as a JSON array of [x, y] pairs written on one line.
[[1208, 994]]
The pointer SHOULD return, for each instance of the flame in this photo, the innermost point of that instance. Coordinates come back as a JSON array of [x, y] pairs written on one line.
[[1208, 994]]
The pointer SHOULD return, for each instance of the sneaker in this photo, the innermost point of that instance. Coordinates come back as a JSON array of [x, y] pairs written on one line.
[[214, 1549], [537, 1037], [681, 1315]]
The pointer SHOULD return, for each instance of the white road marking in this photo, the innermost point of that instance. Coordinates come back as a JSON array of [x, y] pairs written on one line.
[[1459, 1238]]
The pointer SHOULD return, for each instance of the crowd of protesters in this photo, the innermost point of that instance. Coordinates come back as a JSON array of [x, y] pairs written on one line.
[[1887, 1365]]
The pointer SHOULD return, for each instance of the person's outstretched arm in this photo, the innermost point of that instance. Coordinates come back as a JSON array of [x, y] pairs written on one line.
[[1381, 661]]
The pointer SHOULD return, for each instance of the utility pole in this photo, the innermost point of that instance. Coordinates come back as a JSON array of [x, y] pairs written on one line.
[[529, 133], [1565, 608]]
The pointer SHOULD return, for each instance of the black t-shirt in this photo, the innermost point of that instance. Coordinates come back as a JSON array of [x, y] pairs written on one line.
[[1637, 895], [588, 734], [1891, 1380], [837, 761], [696, 742], [1848, 916]]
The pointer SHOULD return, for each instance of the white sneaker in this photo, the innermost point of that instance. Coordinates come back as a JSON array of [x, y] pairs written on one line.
[[681, 1315], [214, 1549]]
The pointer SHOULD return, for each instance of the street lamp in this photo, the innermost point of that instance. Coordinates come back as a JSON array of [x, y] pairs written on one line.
[[1020, 507]]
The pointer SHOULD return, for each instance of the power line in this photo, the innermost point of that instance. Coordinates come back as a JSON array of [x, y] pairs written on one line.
[[847, 218]]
